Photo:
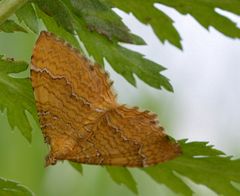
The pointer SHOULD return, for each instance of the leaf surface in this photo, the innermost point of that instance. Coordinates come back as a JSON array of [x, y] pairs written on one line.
[[99, 17], [204, 11], [16, 96], [146, 13], [203, 165], [53, 27], [9, 26], [77, 167], [121, 175], [27, 14], [11, 188], [124, 61], [58, 11]]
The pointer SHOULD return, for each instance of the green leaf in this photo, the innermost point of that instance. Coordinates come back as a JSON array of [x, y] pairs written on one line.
[[77, 166], [203, 165], [9, 26], [52, 26], [11, 188], [167, 177], [231, 6], [124, 61], [99, 17], [58, 11], [121, 175], [9, 7], [27, 14], [145, 12], [16, 96], [204, 12]]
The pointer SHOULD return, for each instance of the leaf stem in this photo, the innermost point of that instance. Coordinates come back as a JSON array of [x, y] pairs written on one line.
[[8, 7]]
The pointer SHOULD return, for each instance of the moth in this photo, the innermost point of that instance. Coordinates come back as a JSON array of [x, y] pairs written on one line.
[[80, 117]]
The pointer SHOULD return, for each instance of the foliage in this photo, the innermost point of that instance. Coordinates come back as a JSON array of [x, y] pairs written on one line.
[[123, 61], [101, 32], [122, 176], [11, 188], [9, 26], [203, 165], [148, 14], [16, 96], [204, 11], [27, 14], [76, 166]]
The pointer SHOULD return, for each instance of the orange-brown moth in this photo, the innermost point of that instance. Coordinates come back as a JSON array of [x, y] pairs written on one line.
[[80, 117]]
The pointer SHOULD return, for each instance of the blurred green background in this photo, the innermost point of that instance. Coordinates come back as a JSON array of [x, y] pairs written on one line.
[[204, 107]]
